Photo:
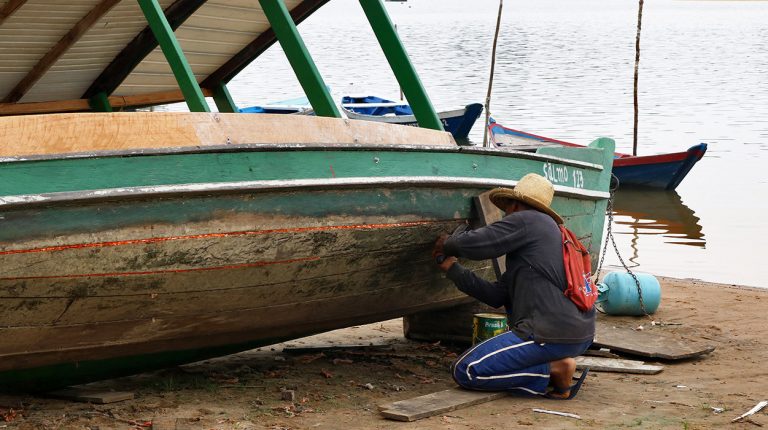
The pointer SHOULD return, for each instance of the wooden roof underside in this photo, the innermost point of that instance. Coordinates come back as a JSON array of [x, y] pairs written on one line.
[[56, 54]]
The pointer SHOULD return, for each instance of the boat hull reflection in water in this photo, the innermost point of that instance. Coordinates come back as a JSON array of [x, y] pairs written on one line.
[[650, 225]]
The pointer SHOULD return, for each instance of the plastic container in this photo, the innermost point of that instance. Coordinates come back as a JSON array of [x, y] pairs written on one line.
[[619, 296]]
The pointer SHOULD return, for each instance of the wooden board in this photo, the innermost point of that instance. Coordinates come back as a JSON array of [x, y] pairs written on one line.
[[486, 214], [172, 423], [654, 344], [312, 349], [603, 364], [436, 403], [88, 395], [72, 132], [600, 353], [175, 424], [455, 324]]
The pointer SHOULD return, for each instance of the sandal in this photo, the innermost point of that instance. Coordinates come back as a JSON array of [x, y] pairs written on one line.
[[574, 389]]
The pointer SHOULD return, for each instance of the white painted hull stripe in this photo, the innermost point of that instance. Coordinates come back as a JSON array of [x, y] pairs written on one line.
[[273, 185]]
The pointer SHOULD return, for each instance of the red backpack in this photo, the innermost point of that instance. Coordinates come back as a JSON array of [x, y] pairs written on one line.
[[578, 271]]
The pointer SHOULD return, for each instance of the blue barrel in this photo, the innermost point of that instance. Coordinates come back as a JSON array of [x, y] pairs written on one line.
[[618, 294]]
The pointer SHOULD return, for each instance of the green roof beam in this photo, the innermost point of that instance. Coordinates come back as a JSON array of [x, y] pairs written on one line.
[[223, 99], [401, 65], [297, 54], [100, 102], [175, 56]]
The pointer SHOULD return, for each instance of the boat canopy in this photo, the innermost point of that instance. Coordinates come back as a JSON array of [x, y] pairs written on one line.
[[100, 55], [64, 50]]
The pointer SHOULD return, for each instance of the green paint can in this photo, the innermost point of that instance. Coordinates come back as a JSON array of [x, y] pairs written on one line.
[[486, 326]]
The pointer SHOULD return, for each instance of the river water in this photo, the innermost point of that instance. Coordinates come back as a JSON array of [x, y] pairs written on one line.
[[565, 70]]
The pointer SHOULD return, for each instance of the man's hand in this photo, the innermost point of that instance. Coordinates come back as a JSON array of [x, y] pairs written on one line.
[[447, 262], [443, 261], [439, 244]]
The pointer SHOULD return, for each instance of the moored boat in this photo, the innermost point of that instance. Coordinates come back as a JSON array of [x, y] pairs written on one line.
[[298, 105], [137, 240], [665, 171], [458, 121]]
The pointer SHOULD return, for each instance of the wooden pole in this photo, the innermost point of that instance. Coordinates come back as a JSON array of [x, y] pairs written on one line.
[[637, 68], [9, 8], [486, 142], [399, 87]]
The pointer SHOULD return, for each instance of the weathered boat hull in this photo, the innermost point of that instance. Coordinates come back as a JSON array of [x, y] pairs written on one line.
[[115, 262]]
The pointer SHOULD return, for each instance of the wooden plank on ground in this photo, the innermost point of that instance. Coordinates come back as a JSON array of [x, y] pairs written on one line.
[[601, 353], [173, 423], [603, 364], [90, 395], [437, 403], [654, 344], [309, 349]]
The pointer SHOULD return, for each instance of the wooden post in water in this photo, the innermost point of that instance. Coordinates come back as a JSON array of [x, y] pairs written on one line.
[[490, 80], [637, 68], [174, 55]]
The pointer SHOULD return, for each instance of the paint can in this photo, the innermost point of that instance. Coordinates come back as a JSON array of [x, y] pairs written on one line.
[[487, 325]]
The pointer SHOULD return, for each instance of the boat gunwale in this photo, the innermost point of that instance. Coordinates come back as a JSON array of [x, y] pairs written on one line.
[[258, 147], [696, 151], [108, 194]]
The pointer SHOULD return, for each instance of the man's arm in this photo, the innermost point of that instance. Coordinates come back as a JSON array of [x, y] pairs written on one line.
[[491, 293], [491, 241]]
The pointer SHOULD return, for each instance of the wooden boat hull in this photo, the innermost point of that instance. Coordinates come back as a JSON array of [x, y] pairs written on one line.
[[234, 270], [665, 171], [120, 261]]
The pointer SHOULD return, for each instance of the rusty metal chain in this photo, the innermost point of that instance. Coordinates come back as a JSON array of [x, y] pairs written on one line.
[[609, 236]]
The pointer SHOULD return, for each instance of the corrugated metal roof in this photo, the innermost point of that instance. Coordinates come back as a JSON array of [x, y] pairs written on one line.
[[114, 53]]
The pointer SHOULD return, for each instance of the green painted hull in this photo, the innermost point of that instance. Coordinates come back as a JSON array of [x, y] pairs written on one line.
[[117, 263]]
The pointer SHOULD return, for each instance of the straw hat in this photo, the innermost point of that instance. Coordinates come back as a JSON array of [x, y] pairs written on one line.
[[534, 190]]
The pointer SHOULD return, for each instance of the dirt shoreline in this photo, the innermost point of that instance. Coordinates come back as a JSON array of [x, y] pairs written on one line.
[[340, 388]]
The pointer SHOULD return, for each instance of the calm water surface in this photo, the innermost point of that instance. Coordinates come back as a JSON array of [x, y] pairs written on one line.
[[565, 70]]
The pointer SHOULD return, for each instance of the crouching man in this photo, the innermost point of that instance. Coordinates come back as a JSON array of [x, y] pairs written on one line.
[[546, 329]]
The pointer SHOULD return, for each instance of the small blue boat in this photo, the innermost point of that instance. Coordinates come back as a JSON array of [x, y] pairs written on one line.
[[299, 105], [371, 108], [664, 171]]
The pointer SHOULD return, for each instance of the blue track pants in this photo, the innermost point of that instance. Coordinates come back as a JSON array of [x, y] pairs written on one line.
[[507, 363]]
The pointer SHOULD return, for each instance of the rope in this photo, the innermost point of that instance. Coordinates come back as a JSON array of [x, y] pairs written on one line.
[[609, 236]]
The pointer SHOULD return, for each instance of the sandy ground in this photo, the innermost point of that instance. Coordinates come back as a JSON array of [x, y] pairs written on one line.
[[341, 388]]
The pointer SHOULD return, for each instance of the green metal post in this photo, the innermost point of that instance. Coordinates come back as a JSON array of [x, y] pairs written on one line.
[[175, 56], [401, 64], [297, 54], [223, 99], [100, 102]]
